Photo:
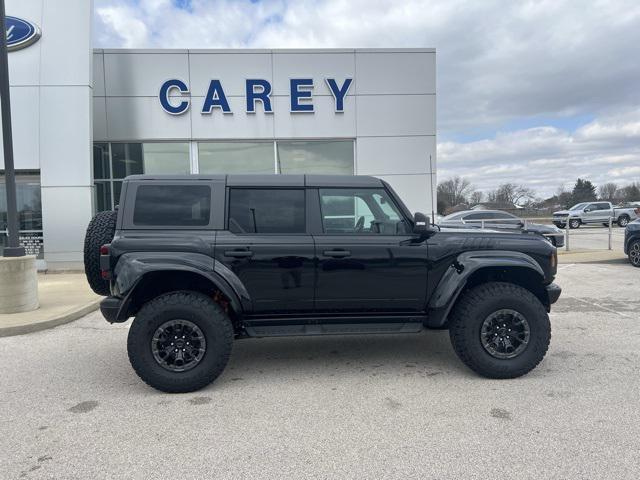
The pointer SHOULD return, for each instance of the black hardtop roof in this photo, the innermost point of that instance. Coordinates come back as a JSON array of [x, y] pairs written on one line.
[[270, 180]]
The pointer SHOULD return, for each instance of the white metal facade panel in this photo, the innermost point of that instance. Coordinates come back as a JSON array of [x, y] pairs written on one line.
[[65, 142], [323, 123], [52, 118], [65, 38], [395, 155], [99, 119], [231, 69], [396, 73], [141, 75], [236, 125], [26, 148], [396, 115], [137, 118], [64, 212], [317, 66]]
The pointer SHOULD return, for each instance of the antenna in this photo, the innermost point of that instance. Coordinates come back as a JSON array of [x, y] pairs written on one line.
[[433, 214]]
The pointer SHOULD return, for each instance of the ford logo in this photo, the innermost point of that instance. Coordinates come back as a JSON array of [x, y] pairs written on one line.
[[20, 33]]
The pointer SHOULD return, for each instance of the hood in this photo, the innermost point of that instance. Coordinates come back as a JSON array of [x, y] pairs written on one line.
[[540, 227], [562, 212]]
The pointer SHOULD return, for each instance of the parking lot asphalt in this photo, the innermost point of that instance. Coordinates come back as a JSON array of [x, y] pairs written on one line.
[[359, 407]]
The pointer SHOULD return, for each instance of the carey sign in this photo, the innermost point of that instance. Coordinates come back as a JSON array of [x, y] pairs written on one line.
[[256, 90], [20, 33]]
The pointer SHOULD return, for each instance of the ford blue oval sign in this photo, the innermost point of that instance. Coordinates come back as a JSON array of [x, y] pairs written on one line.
[[21, 33]]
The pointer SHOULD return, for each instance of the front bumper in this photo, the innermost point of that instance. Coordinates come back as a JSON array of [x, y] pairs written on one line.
[[553, 292]]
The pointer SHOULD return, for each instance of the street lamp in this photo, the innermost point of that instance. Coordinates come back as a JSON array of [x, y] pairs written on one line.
[[13, 248]]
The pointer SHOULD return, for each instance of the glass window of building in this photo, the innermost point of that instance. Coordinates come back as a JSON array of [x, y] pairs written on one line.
[[166, 158], [126, 159], [236, 157], [114, 161], [28, 200], [316, 156]]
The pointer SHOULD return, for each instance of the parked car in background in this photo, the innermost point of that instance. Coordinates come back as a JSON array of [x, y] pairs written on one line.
[[632, 242], [497, 219], [595, 213]]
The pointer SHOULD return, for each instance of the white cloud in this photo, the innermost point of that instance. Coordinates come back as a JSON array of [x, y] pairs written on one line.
[[544, 158], [499, 63]]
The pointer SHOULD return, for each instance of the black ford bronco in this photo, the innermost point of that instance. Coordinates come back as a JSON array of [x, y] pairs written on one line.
[[202, 260]]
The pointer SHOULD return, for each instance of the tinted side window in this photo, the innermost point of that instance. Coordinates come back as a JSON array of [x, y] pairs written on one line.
[[478, 216], [360, 211], [253, 210], [172, 205]]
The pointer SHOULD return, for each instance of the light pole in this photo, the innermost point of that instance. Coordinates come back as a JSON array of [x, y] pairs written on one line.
[[13, 248]]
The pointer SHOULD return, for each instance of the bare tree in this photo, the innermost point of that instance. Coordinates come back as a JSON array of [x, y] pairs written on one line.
[[510, 194], [631, 193], [608, 191], [454, 191], [476, 197]]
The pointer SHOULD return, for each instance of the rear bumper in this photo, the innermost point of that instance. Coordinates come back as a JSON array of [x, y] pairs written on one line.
[[114, 309], [553, 292]]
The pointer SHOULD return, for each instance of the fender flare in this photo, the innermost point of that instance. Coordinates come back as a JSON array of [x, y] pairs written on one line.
[[466, 264], [133, 267]]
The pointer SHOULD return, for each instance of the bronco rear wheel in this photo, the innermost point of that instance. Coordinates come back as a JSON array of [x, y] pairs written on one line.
[[500, 330], [180, 342], [100, 231]]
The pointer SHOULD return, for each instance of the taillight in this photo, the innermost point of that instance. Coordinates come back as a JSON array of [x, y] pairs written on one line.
[[105, 262]]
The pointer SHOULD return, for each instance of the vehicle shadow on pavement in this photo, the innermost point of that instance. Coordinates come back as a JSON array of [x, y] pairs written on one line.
[[428, 353]]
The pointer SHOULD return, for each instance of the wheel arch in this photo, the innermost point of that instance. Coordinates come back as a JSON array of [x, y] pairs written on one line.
[[474, 268], [142, 277]]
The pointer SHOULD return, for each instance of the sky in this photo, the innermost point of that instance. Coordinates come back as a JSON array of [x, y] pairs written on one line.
[[529, 92]]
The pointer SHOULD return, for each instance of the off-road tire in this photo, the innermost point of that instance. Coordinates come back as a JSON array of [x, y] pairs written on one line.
[[575, 223], [634, 253], [623, 221], [196, 308], [477, 304], [100, 231]]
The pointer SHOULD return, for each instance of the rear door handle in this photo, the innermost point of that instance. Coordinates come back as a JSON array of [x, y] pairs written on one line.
[[337, 253], [238, 253]]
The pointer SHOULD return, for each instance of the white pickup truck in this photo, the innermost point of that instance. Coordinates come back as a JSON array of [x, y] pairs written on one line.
[[595, 212]]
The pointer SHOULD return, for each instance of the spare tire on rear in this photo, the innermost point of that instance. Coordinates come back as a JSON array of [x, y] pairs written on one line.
[[100, 231]]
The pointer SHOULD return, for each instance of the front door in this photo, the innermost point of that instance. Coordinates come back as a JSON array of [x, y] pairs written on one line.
[[267, 248], [368, 260]]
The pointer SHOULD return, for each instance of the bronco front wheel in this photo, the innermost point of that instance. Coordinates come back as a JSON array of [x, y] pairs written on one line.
[[500, 330], [180, 342]]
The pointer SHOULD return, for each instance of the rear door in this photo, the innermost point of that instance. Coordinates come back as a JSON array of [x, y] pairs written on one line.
[[368, 259], [267, 247]]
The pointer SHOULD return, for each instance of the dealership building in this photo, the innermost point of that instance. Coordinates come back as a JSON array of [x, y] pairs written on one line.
[[85, 118]]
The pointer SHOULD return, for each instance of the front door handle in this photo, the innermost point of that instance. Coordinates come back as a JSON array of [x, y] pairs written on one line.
[[337, 253], [238, 253]]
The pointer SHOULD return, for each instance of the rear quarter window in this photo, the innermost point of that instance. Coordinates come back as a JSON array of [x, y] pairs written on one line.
[[172, 206]]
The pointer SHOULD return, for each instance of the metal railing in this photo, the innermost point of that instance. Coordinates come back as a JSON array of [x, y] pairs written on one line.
[[501, 223]]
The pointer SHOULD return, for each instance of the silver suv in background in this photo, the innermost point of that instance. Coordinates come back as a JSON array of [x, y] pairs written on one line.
[[595, 213]]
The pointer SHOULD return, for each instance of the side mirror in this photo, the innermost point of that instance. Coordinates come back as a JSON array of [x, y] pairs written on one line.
[[422, 225], [587, 210]]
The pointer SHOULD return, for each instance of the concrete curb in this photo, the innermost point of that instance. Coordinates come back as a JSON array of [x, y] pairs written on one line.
[[70, 316]]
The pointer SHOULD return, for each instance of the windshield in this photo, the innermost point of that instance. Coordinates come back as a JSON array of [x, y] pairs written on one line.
[[579, 206]]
